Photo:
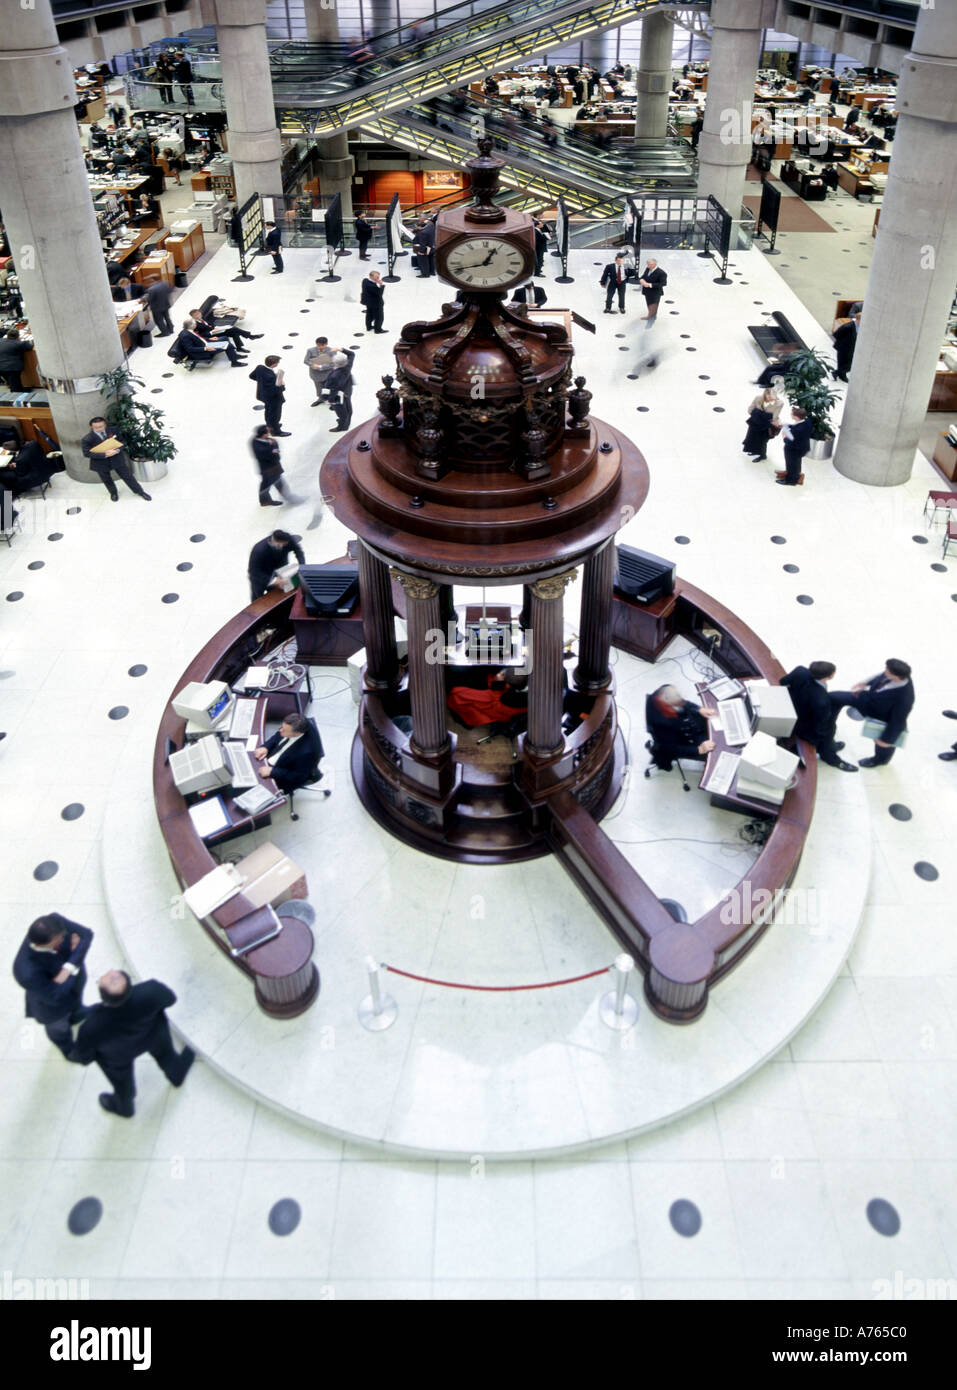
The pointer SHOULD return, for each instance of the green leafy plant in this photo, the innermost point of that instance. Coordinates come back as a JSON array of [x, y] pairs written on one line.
[[806, 385], [139, 424]]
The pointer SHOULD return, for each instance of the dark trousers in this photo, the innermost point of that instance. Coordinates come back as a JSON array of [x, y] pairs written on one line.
[[187, 94], [373, 317], [121, 467], [233, 336], [14, 380], [274, 412], [792, 465], [363, 248], [343, 409], [277, 262], [841, 698], [165, 92], [160, 1047], [163, 322], [271, 477], [610, 294]]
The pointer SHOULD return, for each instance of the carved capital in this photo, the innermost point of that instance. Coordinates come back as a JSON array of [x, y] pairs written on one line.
[[414, 585], [554, 586]]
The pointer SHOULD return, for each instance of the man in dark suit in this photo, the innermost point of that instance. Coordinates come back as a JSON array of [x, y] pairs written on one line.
[[218, 333], [845, 341], [363, 235], [293, 754], [13, 350], [192, 345], [797, 441], [339, 384], [266, 453], [887, 698], [373, 297], [129, 1021], [49, 967], [541, 245], [614, 279], [530, 293], [270, 389], [678, 727], [269, 555], [816, 716], [274, 247], [115, 461], [653, 280], [423, 247], [183, 72], [25, 468], [159, 296]]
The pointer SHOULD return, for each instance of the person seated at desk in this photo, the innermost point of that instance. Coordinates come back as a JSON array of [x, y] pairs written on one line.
[[677, 726], [24, 467], [269, 555], [816, 716], [13, 350], [123, 290], [504, 701], [147, 209], [115, 270], [292, 755]]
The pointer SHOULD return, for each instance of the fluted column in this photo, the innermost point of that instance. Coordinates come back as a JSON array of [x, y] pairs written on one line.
[[594, 628], [544, 738], [426, 676], [254, 143], [378, 624]]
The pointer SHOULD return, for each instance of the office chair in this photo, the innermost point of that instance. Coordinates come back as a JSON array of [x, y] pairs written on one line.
[[312, 776], [659, 759]]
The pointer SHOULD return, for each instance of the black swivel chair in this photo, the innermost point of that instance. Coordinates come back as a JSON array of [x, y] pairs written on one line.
[[661, 760], [312, 775]]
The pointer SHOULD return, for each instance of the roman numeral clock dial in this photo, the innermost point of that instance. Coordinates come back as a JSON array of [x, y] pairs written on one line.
[[485, 263]]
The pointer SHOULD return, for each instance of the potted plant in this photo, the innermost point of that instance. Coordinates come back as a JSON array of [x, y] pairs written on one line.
[[139, 424], [806, 385]]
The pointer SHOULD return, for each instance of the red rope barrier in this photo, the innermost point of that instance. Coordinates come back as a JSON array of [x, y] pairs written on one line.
[[495, 989]]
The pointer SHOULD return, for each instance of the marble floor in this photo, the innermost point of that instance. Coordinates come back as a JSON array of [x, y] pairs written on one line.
[[858, 1106]]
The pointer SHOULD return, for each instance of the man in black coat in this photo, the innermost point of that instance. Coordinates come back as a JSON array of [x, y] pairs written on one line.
[[129, 1021], [220, 333], [266, 453], [373, 297], [363, 235], [797, 442], [652, 280], [183, 72], [49, 968], [274, 247], [13, 350], [192, 345], [845, 341], [887, 698], [541, 245], [292, 755], [677, 726], [816, 715], [159, 296], [27, 468], [423, 247], [270, 389], [339, 384], [614, 279], [115, 461], [269, 555], [530, 293]]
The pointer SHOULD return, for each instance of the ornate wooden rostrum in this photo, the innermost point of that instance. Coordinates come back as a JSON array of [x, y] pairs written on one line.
[[484, 467]]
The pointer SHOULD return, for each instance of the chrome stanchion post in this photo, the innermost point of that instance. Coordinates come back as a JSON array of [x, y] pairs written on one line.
[[618, 1009], [377, 1011]]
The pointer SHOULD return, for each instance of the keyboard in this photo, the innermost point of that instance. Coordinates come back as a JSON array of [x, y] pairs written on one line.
[[244, 717], [735, 723], [724, 772], [725, 688], [242, 769]]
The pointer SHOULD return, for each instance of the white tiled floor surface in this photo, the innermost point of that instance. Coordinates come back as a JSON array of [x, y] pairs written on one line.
[[861, 1103]]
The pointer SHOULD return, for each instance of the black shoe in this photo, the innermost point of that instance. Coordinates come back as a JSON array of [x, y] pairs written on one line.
[[870, 762], [255, 335], [327, 793], [187, 1057], [164, 335], [283, 434], [760, 458], [621, 311], [838, 747], [269, 502], [380, 330], [948, 757], [114, 496], [239, 364], [338, 429], [842, 766], [145, 496], [783, 482], [108, 1103], [607, 311]]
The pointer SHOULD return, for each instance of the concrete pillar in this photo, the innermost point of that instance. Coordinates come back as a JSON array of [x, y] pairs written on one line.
[[336, 167], [254, 144], [378, 623], [426, 678], [49, 219], [594, 627], [724, 147], [654, 78], [544, 738], [913, 269], [322, 21]]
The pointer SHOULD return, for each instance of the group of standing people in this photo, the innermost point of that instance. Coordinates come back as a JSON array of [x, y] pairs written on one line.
[[652, 281], [764, 424]]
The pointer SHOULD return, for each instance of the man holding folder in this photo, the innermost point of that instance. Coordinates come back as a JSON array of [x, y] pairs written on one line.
[[106, 452]]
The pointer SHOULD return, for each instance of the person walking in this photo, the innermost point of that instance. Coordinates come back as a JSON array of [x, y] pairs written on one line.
[[49, 968], [129, 1020], [373, 297], [271, 390], [266, 453], [845, 341], [159, 296], [274, 247]]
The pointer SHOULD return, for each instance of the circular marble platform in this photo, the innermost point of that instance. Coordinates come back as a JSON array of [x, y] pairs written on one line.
[[504, 1075]]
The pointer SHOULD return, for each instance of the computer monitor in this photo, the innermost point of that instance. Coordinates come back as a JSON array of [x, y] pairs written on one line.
[[200, 766], [774, 709], [204, 703], [643, 576], [329, 590], [763, 761]]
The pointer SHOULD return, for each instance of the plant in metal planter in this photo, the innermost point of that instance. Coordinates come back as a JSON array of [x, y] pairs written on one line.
[[806, 385], [136, 422]]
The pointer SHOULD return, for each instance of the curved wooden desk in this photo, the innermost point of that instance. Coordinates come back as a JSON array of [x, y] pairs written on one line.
[[682, 960], [285, 977]]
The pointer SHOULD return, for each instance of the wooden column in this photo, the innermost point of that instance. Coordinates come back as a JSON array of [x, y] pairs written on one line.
[[426, 678], [378, 624], [544, 738], [594, 638]]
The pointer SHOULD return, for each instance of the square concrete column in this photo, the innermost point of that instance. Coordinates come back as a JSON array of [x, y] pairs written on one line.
[[654, 77], [724, 147], [254, 143]]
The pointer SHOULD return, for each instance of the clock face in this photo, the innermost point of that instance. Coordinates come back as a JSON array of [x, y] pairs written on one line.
[[485, 263]]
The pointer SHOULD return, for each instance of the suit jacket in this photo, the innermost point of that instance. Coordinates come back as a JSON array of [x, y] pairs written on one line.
[[159, 295], [266, 387], [12, 353], [538, 295], [845, 340], [192, 344], [609, 275], [273, 239], [363, 229], [28, 464], [372, 294], [657, 278], [800, 440], [340, 378], [891, 706], [89, 441], [115, 1035], [183, 71], [815, 714], [266, 454], [678, 737], [34, 971], [300, 760], [265, 559]]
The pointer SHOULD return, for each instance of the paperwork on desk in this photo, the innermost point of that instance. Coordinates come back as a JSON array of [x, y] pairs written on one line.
[[265, 876], [209, 816], [213, 889]]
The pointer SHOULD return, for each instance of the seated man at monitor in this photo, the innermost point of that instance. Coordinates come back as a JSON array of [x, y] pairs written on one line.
[[292, 755], [678, 727]]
